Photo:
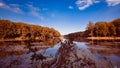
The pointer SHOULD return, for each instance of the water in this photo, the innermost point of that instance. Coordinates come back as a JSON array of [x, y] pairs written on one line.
[[100, 50], [108, 49], [12, 48]]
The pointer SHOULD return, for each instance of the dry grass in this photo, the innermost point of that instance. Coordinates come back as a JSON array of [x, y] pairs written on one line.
[[104, 38]]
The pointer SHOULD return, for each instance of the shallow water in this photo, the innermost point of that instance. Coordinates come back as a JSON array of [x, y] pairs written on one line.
[[103, 50], [99, 49], [108, 49]]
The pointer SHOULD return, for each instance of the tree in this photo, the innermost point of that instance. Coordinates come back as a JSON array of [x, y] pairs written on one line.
[[90, 28], [21, 30], [112, 29], [116, 23]]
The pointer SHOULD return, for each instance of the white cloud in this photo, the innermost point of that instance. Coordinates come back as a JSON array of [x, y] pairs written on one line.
[[83, 4], [1, 4], [96, 1], [35, 11], [10, 7], [70, 7], [113, 2]]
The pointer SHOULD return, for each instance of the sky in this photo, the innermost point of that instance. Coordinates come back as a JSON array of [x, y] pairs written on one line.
[[66, 16]]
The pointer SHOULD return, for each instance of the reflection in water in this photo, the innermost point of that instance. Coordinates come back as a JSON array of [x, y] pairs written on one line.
[[109, 49], [49, 42], [103, 49], [11, 48], [102, 53]]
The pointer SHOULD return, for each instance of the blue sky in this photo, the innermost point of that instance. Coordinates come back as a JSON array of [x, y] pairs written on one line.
[[64, 15]]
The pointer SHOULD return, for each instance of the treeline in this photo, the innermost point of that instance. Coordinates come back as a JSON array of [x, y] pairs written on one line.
[[103, 29], [99, 29], [19, 30]]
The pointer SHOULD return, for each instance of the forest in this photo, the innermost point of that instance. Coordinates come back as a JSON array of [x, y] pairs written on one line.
[[20, 30], [99, 29]]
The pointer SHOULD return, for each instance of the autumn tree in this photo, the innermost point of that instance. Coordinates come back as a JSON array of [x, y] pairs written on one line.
[[112, 29], [116, 23], [90, 28], [21, 30]]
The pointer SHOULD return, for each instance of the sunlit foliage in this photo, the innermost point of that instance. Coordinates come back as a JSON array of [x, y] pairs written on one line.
[[99, 29], [19, 30]]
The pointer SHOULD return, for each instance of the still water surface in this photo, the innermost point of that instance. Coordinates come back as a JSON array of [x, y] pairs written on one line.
[[100, 49]]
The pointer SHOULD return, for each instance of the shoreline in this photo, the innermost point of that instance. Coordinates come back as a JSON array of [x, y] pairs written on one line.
[[18, 39], [103, 38], [12, 39], [89, 38]]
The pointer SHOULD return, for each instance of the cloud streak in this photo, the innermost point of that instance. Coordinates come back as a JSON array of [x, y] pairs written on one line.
[[34, 11], [83, 4], [113, 2], [11, 7]]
